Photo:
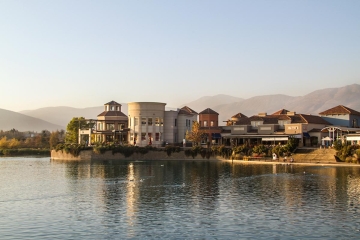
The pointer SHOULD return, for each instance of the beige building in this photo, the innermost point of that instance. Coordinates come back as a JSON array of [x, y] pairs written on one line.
[[275, 128], [146, 123]]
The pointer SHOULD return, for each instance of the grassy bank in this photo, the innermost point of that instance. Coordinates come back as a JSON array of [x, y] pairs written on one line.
[[24, 152]]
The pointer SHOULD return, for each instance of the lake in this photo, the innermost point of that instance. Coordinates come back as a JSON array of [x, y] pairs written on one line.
[[43, 199]]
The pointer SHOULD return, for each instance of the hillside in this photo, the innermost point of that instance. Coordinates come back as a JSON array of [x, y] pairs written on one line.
[[211, 101], [227, 106], [312, 103], [21, 122]]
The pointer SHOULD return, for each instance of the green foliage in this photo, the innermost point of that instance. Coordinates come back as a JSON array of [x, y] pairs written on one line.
[[72, 129], [291, 144], [244, 149], [260, 149], [345, 152], [25, 152], [338, 145], [170, 149], [279, 150], [71, 148], [195, 135], [357, 152]]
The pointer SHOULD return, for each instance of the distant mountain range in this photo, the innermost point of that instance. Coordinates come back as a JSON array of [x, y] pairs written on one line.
[[53, 118], [21, 122]]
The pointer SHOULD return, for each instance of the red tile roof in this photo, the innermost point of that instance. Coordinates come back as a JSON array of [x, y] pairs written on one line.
[[314, 119], [112, 103], [208, 111], [239, 115], [187, 110], [340, 110], [280, 112], [112, 114]]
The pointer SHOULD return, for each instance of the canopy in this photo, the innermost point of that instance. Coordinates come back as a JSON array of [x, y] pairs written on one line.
[[306, 135], [215, 135], [327, 139], [274, 138]]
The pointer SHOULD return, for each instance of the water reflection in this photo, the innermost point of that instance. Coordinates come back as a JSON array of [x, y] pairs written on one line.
[[172, 199]]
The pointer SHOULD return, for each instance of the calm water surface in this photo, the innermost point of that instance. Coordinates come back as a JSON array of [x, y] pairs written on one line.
[[43, 199]]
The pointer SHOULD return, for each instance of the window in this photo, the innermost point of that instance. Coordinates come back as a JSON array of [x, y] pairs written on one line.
[[110, 126], [149, 137], [117, 108], [121, 126], [256, 123], [131, 136], [112, 108], [136, 136], [161, 122], [175, 122], [143, 136], [205, 123], [100, 126], [211, 123], [157, 121], [143, 121], [136, 121], [157, 136], [150, 122]]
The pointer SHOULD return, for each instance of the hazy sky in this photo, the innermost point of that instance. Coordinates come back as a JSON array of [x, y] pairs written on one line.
[[86, 53]]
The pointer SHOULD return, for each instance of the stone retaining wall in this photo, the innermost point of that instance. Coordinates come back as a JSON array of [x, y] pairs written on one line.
[[151, 155], [311, 156]]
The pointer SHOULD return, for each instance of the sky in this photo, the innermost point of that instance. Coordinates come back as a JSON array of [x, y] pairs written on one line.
[[87, 53]]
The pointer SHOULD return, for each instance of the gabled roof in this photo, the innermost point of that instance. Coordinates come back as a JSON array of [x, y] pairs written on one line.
[[256, 118], [314, 119], [112, 103], [239, 115], [112, 114], [208, 111], [340, 110], [280, 112], [187, 110], [243, 121]]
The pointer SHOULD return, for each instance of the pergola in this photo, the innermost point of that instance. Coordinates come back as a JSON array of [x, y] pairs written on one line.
[[336, 132]]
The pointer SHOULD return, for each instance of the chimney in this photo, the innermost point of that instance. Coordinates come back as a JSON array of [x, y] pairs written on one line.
[[262, 114]]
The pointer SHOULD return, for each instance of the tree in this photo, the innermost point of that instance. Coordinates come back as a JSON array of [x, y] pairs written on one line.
[[196, 134], [72, 129], [54, 139]]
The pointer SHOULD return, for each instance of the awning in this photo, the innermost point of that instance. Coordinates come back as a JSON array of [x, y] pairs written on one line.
[[215, 135], [306, 135], [327, 139], [353, 138], [274, 139]]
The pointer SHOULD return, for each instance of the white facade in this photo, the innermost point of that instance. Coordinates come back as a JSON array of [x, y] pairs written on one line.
[[184, 123], [170, 127], [146, 123]]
